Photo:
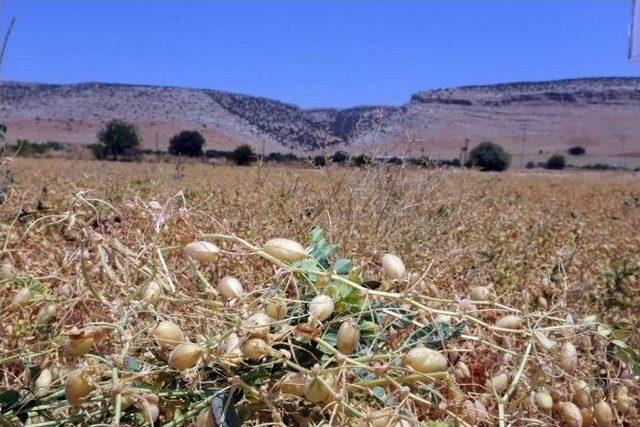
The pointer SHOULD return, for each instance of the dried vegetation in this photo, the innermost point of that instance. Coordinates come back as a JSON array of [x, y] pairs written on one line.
[[412, 297]]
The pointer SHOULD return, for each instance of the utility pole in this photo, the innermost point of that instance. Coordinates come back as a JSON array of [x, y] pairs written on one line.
[[464, 151], [524, 142]]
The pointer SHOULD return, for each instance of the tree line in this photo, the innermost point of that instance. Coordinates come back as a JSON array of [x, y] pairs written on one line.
[[119, 139]]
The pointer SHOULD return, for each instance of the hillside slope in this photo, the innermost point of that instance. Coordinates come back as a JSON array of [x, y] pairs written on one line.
[[602, 114]]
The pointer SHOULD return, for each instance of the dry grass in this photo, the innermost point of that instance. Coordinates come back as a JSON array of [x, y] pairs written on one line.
[[88, 237]]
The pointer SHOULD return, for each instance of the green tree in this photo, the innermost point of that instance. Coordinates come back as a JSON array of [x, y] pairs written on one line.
[[118, 137], [488, 156], [363, 160], [577, 150], [243, 155], [187, 143], [557, 162], [320, 161], [339, 157]]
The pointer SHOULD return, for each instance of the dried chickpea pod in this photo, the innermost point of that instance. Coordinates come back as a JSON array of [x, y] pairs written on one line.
[[202, 251], [425, 360], [543, 401], [321, 307], [568, 357], [498, 383], [230, 288], [393, 267], [255, 348], [285, 250], [185, 356], [168, 334], [257, 324], [77, 385], [570, 414], [603, 414], [276, 309], [348, 336]]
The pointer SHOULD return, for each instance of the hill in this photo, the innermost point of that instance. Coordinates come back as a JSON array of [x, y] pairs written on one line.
[[601, 114]]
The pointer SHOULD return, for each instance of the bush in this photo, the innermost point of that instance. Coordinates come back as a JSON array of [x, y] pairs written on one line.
[[557, 162], [363, 160], [243, 155], [319, 161], [118, 137], [488, 156], [281, 158], [340, 157], [26, 148], [395, 161], [576, 151], [99, 151], [187, 143], [530, 165], [423, 162], [217, 154], [450, 163]]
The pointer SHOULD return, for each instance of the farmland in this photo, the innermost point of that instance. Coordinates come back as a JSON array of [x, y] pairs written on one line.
[[549, 258]]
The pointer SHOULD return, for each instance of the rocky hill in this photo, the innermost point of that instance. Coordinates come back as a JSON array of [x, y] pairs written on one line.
[[602, 114]]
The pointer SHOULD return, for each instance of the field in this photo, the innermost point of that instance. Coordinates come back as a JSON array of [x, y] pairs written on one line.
[[525, 286]]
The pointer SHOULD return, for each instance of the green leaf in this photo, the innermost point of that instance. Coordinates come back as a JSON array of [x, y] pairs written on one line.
[[321, 250], [132, 364], [342, 266], [436, 333]]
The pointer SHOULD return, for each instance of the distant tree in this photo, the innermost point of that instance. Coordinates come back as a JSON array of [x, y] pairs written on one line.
[[395, 161], [452, 163], [186, 143], [340, 157], [577, 150], [488, 156], [243, 155], [215, 154], [320, 161], [275, 157], [118, 137], [557, 161], [530, 165], [363, 160]]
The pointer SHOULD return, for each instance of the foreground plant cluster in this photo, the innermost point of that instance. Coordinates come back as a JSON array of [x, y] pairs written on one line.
[[366, 300]]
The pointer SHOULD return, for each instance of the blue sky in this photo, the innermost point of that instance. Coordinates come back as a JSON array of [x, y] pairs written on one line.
[[316, 53]]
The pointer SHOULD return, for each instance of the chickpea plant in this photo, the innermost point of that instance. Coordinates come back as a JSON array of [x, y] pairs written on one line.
[[323, 343]]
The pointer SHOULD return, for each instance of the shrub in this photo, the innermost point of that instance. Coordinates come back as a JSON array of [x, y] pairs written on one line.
[[99, 151], [530, 165], [319, 161], [340, 157], [576, 151], [395, 161], [488, 156], [557, 162], [423, 162], [26, 148], [243, 155], [187, 143], [217, 154], [451, 163], [363, 160], [281, 158], [118, 137]]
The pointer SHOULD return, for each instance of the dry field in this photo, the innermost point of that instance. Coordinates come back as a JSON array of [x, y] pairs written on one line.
[[519, 304]]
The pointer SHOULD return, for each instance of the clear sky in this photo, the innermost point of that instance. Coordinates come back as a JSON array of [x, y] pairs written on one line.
[[316, 53]]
